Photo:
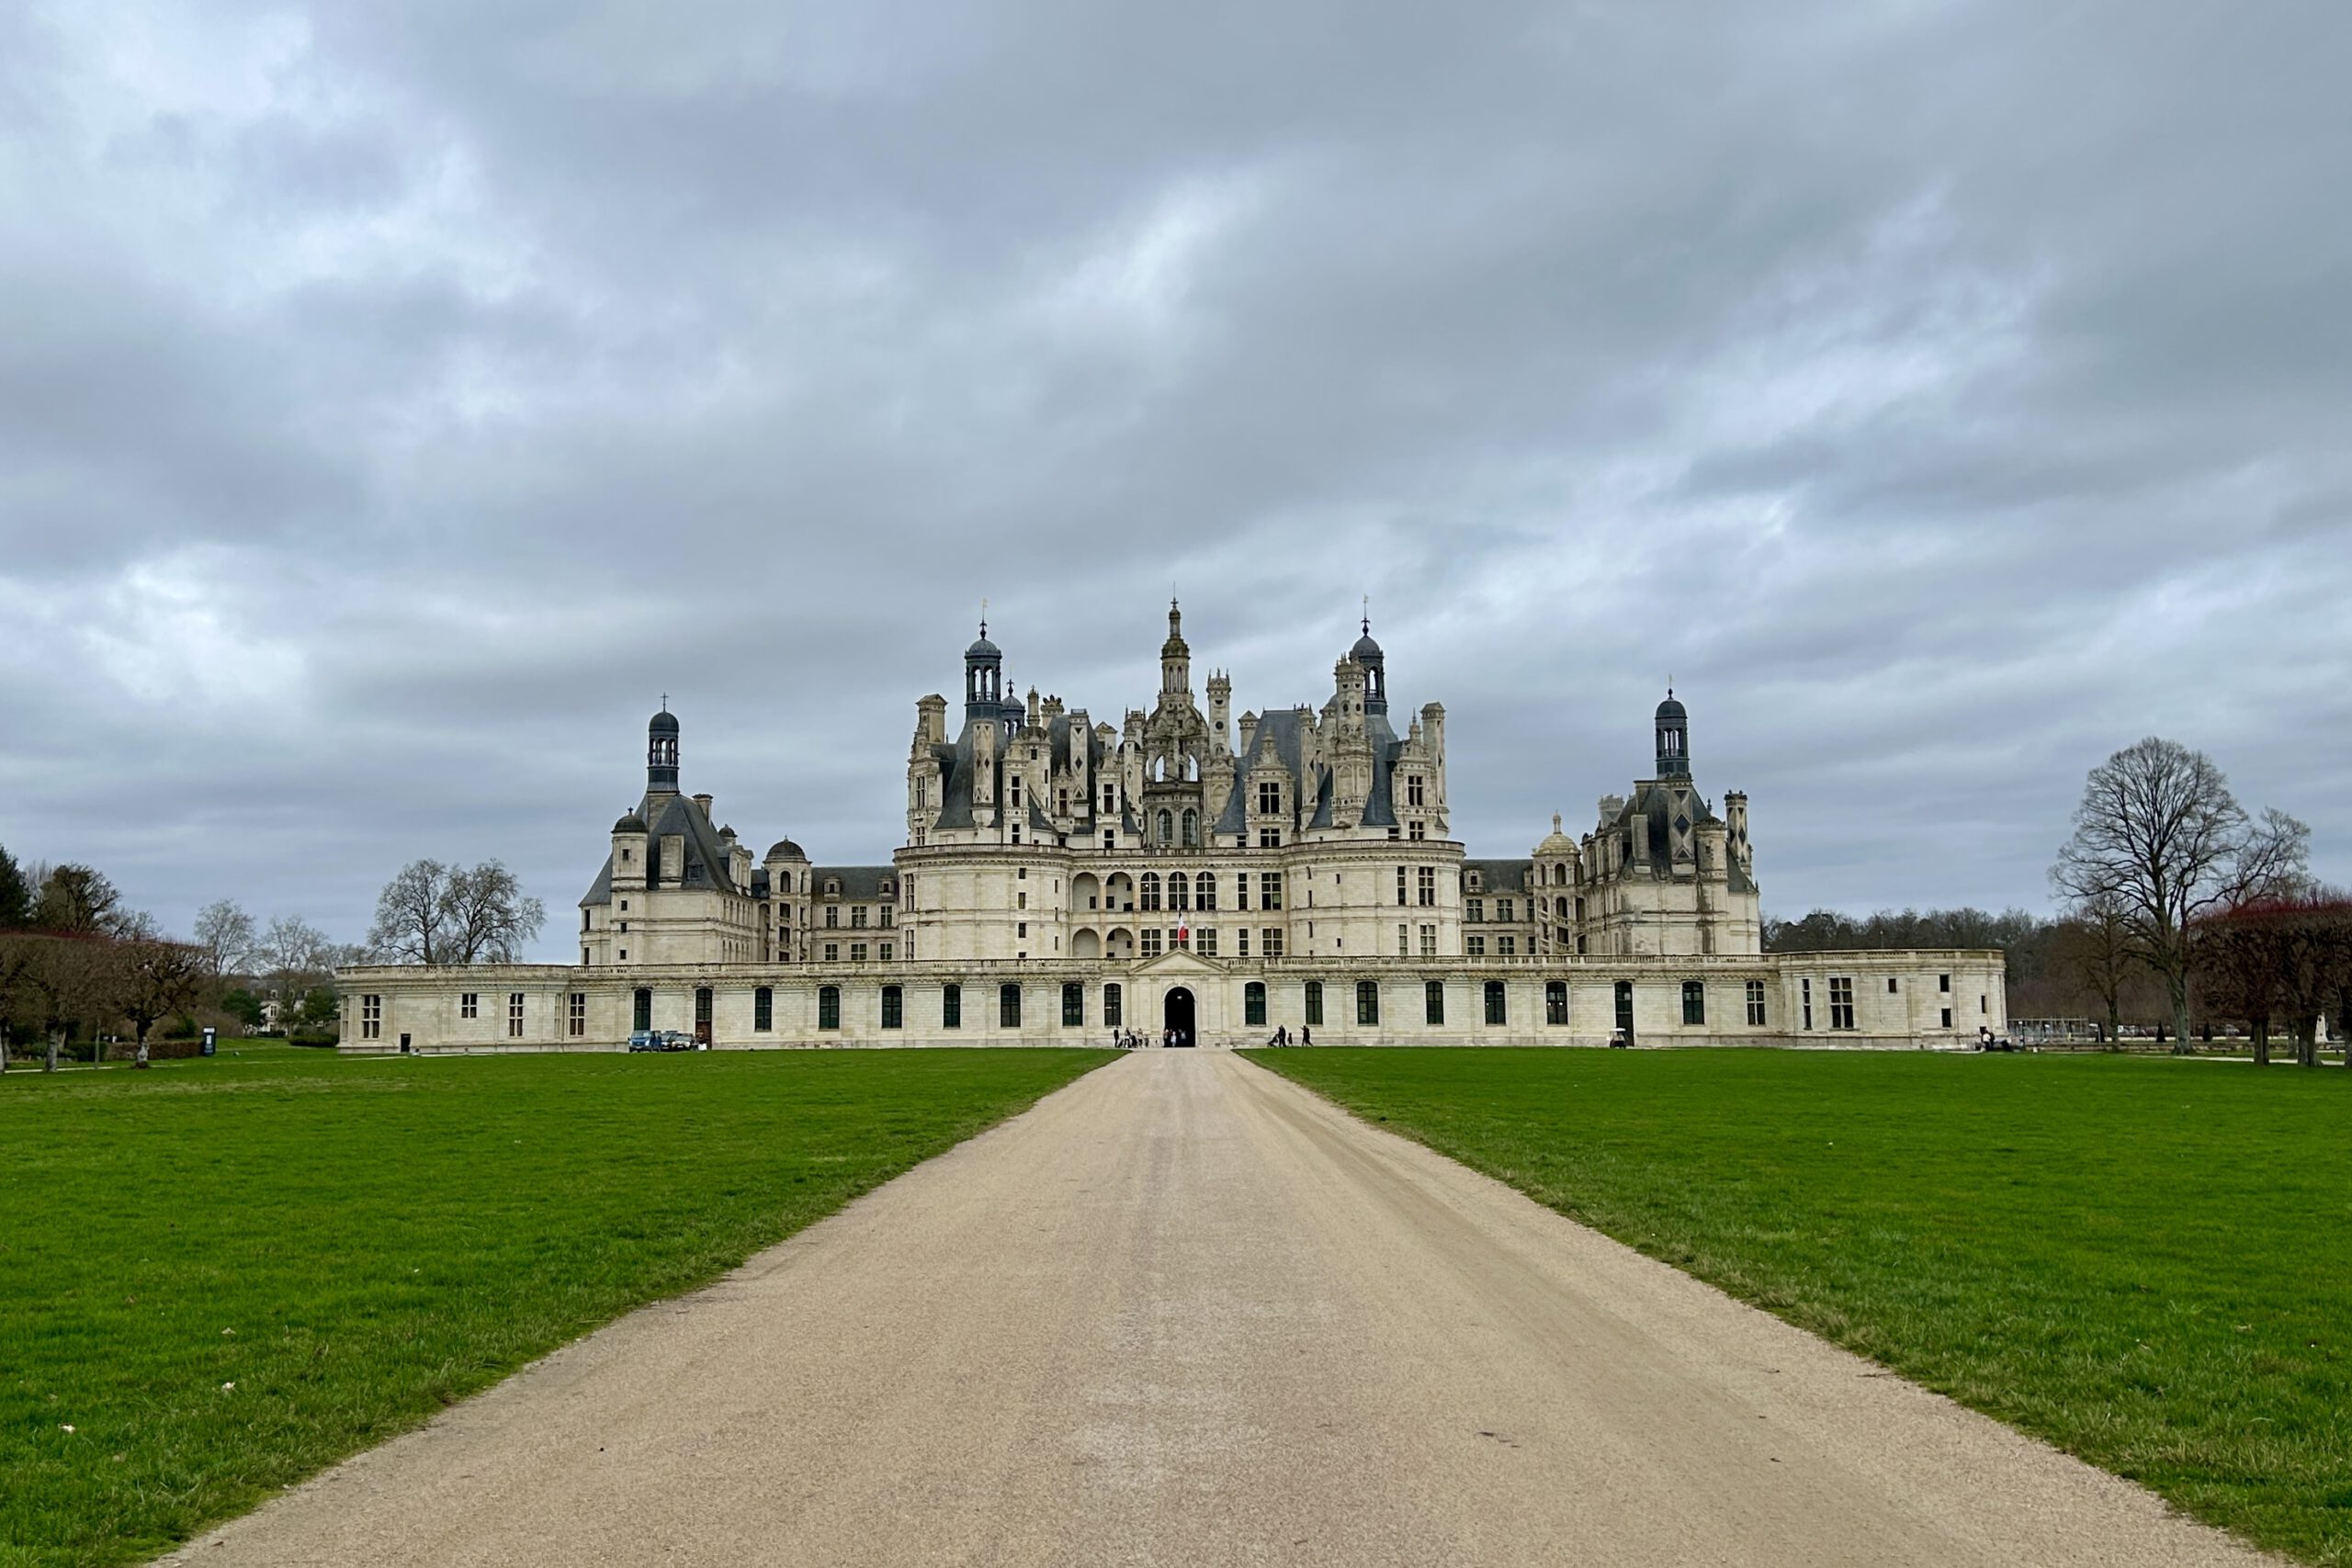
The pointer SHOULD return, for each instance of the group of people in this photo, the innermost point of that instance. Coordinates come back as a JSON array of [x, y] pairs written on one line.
[[1282, 1036], [1135, 1040]]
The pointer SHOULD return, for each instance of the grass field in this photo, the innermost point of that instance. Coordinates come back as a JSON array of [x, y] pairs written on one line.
[[2148, 1263], [222, 1275]]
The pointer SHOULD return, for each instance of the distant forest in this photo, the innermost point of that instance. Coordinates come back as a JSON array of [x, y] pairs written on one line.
[[2051, 961]]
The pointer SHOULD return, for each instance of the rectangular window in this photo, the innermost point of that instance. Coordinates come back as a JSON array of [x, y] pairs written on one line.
[[1506, 947], [764, 1008], [1413, 789], [1415, 831], [1433, 1002], [1497, 1004], [1269, 798], [514, 1015], [1272, 941], [1270, 838], [1241, 941], [951, 1007], [857, 953], [1404, 942], [1890, 984], [1112, 1013], [1425, 887], [1314, 1009], [1400, 884], [371, 1017], [1503, 911], [1694, 1001], [832, 952], [576, 1022], [858, 918], [1253, 1004], [1151, 941], [1756, 1004], [890, 916], [1429, 941], [1074, 1005], [1556, 1001], [1367, 1002], [1270, 890], [894, 1008], [1841, 1001], [1947, 1018], [469, 1005], [1943, 982], [1179, 938], [1008, 1007], [828, 1007], [1475, 946], [1474, 911], [884, 951], [1804, 992], [1205, 941]]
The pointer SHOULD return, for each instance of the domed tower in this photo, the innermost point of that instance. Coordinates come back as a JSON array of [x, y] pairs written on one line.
[[983, 680], [1673, 739], [661, 753], [1175, 660], [1367, 653]]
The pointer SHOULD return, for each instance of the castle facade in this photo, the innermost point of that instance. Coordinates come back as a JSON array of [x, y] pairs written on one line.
[[1064, 879]]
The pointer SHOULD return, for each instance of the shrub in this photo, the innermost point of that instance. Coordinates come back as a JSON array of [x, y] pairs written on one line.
[[312, 1037]]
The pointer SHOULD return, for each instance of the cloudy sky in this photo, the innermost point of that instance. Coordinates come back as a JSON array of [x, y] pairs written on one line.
[[395, 402]]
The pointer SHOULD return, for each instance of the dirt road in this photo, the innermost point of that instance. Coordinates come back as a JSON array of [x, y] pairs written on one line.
[[1183, 1313]]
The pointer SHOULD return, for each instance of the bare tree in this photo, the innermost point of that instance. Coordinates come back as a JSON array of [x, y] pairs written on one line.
[[78, 901], [154, 979], [431, 913], [2158, 832], [226, 935], [2236, 957], [490, 918], [2094, 946], [294, 955], [413, 914]]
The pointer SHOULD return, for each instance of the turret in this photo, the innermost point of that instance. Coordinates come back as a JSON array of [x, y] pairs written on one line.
[[1673, 739], [1375, 663], [983, 680], [1220, 711], [1175, 660], [661, 753]]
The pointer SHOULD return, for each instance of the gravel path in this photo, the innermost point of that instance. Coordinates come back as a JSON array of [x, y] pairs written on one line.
[[1184, 1313]]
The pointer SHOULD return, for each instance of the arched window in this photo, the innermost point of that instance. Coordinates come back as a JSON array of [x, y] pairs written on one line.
[[1694, 1001], [643, 1015], [1147, 891], [1314, 999], [1556, 1001], [828, 1007], [1112, 1013], [1179, 889], [1559, 872], [1008, 1007], [894, 1008], [1561, 906], [1433, 1002], [1204, 891], [1192, 829], [1367, 1002], [1253, 1003], [764, 1008], [1167, 827], [1073, 1005], [1497, 1008]]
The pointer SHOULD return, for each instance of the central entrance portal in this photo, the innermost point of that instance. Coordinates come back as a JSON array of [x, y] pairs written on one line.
[[1179, 1015]]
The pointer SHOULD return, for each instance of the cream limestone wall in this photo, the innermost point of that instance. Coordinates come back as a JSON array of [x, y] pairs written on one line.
[[1898, 1000]]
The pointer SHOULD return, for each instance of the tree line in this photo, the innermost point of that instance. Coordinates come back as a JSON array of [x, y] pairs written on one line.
[[76, 964]]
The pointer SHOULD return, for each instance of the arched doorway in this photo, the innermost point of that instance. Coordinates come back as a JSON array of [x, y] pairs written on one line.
[[1176, 1013]]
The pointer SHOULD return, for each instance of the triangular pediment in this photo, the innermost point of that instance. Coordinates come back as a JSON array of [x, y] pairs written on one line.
[[1182, 962]]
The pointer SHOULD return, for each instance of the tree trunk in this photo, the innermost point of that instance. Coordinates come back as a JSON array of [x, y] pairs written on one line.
[[2176, 992], [2307, 1041], [49, 1063], [2260, 1027]]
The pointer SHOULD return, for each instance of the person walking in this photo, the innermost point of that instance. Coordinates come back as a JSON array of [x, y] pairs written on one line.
[[1305, 1035]]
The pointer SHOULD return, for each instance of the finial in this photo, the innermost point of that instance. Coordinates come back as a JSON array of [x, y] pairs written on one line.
[[665, 702], [984, 618], [1367, 615]]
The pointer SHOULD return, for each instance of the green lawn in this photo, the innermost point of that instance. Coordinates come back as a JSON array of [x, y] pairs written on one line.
[[222, 1275], [2147, 1262]]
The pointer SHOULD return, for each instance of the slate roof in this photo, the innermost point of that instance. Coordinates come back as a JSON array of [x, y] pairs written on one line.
[[859, 883], [674, 816], [1497, 876]]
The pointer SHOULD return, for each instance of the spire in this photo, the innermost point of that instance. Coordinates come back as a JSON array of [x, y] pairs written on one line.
[[1673, 739]]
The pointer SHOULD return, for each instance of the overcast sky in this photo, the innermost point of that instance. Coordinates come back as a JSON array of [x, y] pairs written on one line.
[[395, 402]]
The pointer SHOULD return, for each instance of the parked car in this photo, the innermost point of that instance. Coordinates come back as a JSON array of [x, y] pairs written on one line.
[[645, 1039]]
